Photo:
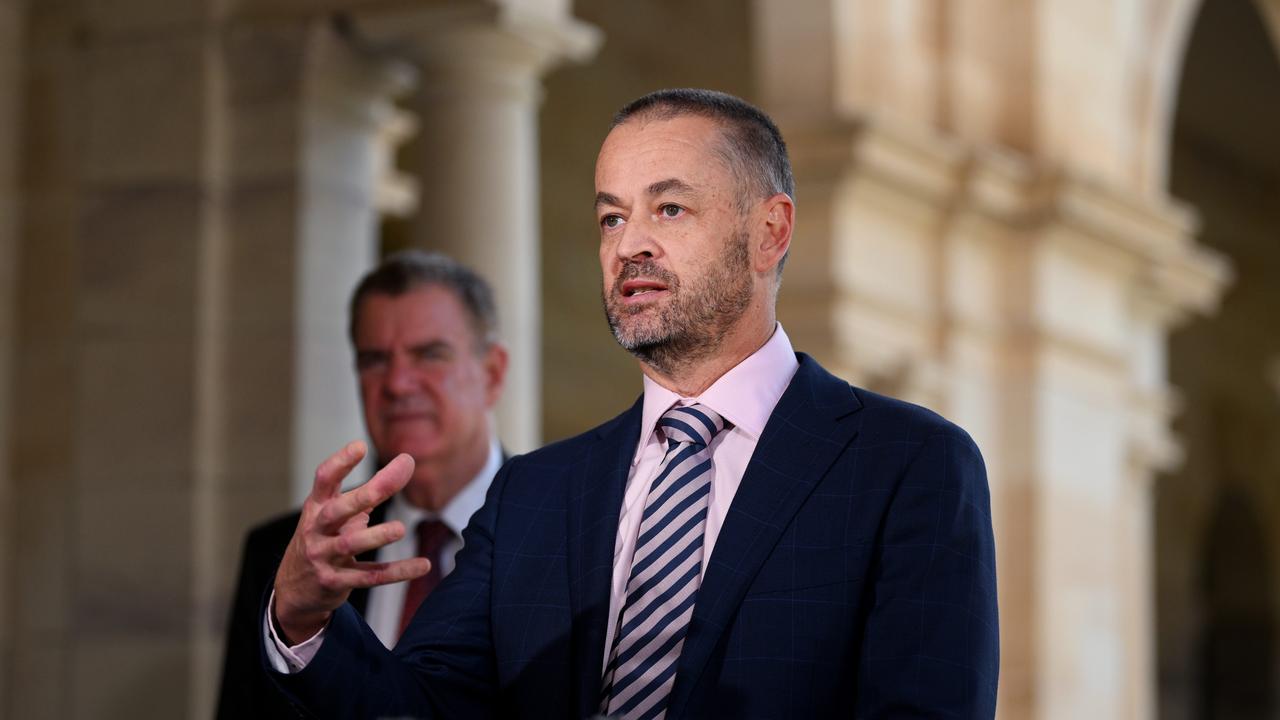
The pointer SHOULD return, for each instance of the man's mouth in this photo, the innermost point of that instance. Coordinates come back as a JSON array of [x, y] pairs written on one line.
[[406, 411], [405, 417], [640, 288]]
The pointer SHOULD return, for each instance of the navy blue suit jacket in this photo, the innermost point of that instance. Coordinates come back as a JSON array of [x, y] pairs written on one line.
[[854, 575]]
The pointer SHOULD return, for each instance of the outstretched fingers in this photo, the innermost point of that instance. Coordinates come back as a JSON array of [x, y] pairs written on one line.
[[355, 541], [371, 574], [334, 470], [385, 483], [318, 570]]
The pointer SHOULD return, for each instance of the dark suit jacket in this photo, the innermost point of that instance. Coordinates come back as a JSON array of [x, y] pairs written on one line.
[[854, 575], [246, 691]]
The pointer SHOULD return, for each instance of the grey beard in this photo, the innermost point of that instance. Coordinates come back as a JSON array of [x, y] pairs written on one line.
[[692, 326], [671, 351]]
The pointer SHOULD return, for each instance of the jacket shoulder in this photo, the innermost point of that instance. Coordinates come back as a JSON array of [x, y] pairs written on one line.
[[882, 417], [888, 420]]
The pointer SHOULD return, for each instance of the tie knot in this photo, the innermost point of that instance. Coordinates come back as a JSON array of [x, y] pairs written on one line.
[[696, 424]]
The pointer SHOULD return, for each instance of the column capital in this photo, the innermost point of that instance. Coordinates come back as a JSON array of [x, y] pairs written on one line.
[[481, 43], [362, 83]]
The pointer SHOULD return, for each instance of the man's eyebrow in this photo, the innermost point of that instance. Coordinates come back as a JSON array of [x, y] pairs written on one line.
[[433, 344], [670, 186], [674, 186], [604, 198]]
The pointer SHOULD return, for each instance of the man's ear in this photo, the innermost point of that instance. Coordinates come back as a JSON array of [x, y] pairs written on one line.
[[495, 370], [779, 218]]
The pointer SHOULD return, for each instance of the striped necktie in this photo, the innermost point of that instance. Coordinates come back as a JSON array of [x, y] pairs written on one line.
[[666, 570]]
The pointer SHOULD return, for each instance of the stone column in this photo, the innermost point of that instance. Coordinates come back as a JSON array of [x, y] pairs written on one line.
[[476, 159], [347, 111]]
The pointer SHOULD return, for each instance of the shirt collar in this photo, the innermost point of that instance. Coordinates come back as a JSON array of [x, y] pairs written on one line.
[[745, 395], [458, 512]]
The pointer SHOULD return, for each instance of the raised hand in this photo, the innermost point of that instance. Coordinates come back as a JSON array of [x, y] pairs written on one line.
[[319, 568]]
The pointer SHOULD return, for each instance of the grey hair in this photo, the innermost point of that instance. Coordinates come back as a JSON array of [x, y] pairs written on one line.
[[754, 147], [409, 270]]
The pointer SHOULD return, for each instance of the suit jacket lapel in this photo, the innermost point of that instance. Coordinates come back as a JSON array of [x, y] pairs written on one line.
[[594, 503], [800, 442]]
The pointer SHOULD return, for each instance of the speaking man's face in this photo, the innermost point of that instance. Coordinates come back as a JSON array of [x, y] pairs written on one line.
[[426, 381], [673, 247]]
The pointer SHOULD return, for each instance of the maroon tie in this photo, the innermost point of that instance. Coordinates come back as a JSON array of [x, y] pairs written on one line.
[[432, 537]]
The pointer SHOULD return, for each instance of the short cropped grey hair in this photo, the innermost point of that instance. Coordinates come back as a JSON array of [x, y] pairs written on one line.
[[410, 270], [754, 148]]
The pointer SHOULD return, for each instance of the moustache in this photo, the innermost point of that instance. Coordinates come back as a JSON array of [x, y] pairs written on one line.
[[647, 268]]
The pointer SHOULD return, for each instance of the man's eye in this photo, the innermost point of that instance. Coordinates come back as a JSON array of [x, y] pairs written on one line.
[[671, 210], [431, 354], [370, 362], [610, 221]]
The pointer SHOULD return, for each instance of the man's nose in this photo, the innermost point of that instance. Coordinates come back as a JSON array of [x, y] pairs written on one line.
[[637, 240], [400, 376]]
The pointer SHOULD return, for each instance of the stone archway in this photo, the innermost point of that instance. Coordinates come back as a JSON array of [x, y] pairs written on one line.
[[1223, 160], [1173, 22]]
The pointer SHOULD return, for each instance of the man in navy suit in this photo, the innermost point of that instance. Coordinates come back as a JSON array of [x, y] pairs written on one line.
[[753, 538]]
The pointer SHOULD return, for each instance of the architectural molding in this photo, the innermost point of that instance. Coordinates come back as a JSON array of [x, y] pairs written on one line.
[[481, 47], [897, 152]]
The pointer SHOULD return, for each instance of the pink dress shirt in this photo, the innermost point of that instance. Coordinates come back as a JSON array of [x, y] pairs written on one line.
[[744, 396]]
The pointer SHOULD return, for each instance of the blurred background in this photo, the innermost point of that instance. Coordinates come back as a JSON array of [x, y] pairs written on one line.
[[1056, 222]]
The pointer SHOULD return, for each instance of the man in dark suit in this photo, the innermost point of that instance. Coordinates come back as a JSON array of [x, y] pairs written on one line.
[[753, 538], [430, 368]]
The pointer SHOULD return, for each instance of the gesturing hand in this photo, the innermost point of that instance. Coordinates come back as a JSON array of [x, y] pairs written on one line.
[[319, 568]]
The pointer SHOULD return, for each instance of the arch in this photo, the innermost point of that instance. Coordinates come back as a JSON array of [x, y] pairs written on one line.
[[1270, 11], [1173, 22], [1219, 155]]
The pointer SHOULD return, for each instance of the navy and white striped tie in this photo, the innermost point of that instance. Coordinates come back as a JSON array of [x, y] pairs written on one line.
[[666, 570]]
